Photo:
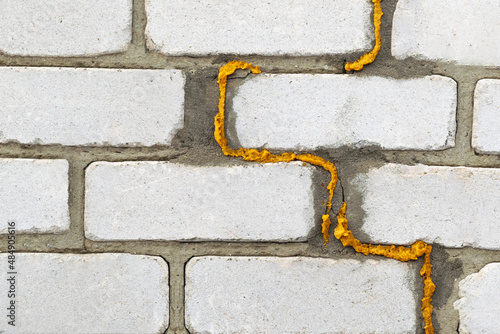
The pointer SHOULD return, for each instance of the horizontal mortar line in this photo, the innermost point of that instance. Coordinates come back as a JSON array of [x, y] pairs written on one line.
[[186, 67], [141, 153], [416, 157], [278, 63], [61, 250], [174, 253], [219, 248], [470, 252], [151, 58], [483, 161], [76, 152], [135, 53], [57, 251], [164, 251], [189, 251], [186, 244], [71, 240], [146, 66], [435, 66]]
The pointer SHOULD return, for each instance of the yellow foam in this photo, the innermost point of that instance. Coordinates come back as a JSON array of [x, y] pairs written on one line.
[[369, 57], [341, 232]]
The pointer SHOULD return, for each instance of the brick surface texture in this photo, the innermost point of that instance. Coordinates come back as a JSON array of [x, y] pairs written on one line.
[[428, 29], [486, 126], [65, 27], [34, 194], [304, 111], [91, 106], [272, 28], [182, 202], [292, 295], [98, 293], [404, 204], [476, 291], [122, 209]]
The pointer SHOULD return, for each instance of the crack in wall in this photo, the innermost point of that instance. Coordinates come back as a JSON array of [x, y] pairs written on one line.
[[341, 232]]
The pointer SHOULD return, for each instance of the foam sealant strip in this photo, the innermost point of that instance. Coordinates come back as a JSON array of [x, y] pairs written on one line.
[[341, 232], [369, 57]]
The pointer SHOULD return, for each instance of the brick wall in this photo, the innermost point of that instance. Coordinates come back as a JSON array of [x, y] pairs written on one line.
[[129, 218]]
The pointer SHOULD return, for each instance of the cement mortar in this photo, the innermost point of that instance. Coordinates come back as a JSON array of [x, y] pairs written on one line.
[[195, 144]]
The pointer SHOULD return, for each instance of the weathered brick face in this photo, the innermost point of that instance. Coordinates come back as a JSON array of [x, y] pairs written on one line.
[[308, 111], [120, 212]]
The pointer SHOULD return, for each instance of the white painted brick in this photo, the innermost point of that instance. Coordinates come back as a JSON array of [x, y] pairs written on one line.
[[442, 30], [479, 303], [34, 195], [65, 27], [298, 295], [259, 27], [452, 206], [486, 126], [168, 201], [90, 106], [308, 111], [91, 293]]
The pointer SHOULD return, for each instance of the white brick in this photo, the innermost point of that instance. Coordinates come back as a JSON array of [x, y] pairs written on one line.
[[442, 30], [308, 111], [90, 106], [91, 293], [259, 27], [452, 206], [168, 201], [298, 295], [486, 126], [479, 303], [34, 195], [65, 27]]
